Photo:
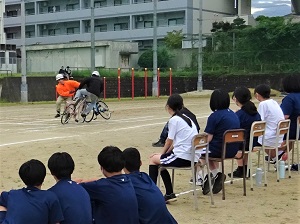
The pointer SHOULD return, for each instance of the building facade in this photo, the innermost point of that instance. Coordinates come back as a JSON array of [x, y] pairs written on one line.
[[63, 21]]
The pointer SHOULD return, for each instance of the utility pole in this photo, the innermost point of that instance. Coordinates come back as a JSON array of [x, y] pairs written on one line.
[[24, 87], [200, 83], [154, 83], [92, 36]]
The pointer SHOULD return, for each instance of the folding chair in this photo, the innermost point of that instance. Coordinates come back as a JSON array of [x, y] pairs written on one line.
[[257, 129], [232, 136], [199, 145], [297, 144], [282, 128]]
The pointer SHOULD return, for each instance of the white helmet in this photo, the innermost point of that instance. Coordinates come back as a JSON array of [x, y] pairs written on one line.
[[96, 73], [59, 76]]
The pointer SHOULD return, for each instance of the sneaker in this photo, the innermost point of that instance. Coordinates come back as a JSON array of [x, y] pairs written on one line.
[[199, 181], [83, 115], [57, 115], [205, 186], [158, 144], [238, 173], [294, 167], [170, 197], [219, 178], [273, 160]]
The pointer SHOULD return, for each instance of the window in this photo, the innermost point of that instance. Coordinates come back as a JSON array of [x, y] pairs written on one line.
[[2, 57], [55, 8], [99, 4], [29, 34], [148, 24], [12, 58], [71, 7], [13, 13], [101, 28], [118, 2], [10, 36], [72, 30], [176, 21], [120, 26], [53, 32], [30, 11]]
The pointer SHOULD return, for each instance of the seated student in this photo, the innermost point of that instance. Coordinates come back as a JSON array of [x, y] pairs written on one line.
[[177, 149], [164, 134], [151, 203], [113, 197], [221, 120], [74, 200], [31, 204], [270, 112], [291, 103], [247, 115]]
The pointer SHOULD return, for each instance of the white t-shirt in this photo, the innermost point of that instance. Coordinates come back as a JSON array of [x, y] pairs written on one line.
[[181, 134], [270, 112]]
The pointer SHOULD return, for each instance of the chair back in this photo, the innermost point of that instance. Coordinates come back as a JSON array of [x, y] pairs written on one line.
[[233, 136], [200, 144], [258, 128], [283, 127]]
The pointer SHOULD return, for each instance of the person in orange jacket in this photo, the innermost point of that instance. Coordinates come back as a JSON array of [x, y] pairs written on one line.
[[65, 90]]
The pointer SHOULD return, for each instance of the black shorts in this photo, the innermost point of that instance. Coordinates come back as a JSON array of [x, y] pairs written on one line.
[[170, 159]]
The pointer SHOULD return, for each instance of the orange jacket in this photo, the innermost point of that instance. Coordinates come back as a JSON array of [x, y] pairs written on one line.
[[64, 89]]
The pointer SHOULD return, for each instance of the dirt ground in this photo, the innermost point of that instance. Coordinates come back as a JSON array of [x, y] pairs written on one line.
[[31, 131]]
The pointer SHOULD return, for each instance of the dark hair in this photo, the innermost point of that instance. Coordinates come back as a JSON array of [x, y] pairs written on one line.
[[243, 96], [61, 165], [219, 100], [175, 102], [111, 159], [132, 159], [291, 83], [32, 173], [263, 90]]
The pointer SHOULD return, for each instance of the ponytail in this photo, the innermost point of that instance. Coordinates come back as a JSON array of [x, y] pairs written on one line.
[[186, 119], [250, 108]]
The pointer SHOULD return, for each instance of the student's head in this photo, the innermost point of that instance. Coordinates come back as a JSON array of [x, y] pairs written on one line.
[[61, 165], [59, 77], [96, 74], [242, 95], [111, 159], [291, 83], [32, 173], [219, 100], [175, 102], [263, 90], [132, 159]]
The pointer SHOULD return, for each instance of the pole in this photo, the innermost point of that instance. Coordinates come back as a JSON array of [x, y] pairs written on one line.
[[92, 36], [200, 83], [24, 87], [154, 83]]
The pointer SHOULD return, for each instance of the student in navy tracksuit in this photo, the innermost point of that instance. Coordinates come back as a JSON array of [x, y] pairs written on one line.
[[74, 199], [31, 204], [151, 202]]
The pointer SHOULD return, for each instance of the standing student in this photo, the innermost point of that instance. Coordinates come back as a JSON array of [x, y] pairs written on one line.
[[177, 149], [270, 112], [151, 203], [247, 114], [114, 200], [221, 120], [31, 204], [74, 199], [65, 90]]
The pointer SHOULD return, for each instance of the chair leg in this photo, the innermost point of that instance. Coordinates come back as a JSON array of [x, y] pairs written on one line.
[[223, 185], [244, 177], [265, 172], [158, 177], [231, 179], [194, 188], [288, 159], [173, 179], [297, 145], [209, 184], [249, 171], [258, 161], [277, 164]]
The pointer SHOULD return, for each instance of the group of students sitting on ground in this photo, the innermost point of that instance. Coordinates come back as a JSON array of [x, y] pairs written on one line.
[[126, 195], [181, 128]]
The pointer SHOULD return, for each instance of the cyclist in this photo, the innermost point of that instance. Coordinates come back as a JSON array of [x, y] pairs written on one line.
[[65, 89], [94, 87]]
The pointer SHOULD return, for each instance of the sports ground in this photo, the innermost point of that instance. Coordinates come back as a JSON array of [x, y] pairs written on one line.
[[31, 131]]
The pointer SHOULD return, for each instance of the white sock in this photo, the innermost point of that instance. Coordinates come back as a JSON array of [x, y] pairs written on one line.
[[214, 172]]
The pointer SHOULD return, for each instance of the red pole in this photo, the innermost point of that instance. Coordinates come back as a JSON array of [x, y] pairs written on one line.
[[132, 83], [119, 83], [104, 88], [158, 82], [146, 71], [170, 81]]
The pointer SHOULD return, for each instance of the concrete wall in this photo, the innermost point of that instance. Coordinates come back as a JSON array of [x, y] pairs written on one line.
[[43, 88]]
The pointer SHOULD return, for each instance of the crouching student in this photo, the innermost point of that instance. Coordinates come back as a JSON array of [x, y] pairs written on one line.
[[151, 202], [114, 200], [74, 199], [31, 204]]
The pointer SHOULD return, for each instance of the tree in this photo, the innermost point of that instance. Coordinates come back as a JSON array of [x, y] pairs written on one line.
[[163, 58], [174, 39]]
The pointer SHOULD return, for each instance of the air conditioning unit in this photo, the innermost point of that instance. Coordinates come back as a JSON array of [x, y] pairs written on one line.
[[44, 27], [140, 18]]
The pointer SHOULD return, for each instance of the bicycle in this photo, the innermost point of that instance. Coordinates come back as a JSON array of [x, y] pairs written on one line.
[[74, 109]]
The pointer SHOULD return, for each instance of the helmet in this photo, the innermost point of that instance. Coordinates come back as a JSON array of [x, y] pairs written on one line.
[[59, 76], [96, 73]]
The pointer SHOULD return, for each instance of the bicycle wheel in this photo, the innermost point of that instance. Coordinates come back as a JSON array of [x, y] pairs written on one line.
[[90, 116], [103, 110], [81, 105], [67, 114]]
